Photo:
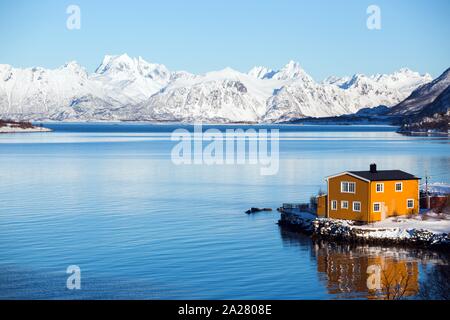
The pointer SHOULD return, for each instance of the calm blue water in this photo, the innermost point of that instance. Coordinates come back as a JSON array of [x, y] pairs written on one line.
[[108, 198]]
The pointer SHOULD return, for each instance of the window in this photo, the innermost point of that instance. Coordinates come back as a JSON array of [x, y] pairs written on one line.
[[351, 187], [348, 187], [333, 205], [376, 207], [344, 204], [410, 203], [398, 187], [357, 206], [380, 187]]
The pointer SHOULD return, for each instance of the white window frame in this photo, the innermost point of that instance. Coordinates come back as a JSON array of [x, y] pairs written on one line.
[[401, 186], [348, 187], [354, 187], [334, 205], [342, 204], [356, 202], [382, 187], [407, 203], [379, 207]]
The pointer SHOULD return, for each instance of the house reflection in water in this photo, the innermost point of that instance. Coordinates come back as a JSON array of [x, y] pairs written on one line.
[[361, 271]]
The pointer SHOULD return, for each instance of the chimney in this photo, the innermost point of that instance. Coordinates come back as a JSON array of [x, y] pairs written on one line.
[[373, 168]]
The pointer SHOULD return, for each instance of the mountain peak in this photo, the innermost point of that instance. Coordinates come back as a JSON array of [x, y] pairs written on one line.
[[408, 72], [225, 72], [445, 74], [115, 62], [292, 64], [73, 65], [123, 65], [292, 67], [423, 95], [403, 74], [405, 70], [261, 72], [292, 71]]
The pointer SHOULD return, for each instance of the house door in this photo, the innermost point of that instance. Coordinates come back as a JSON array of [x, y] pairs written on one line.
[[384, 210]]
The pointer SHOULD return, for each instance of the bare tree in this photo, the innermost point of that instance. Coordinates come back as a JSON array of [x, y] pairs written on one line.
[[397, 283]]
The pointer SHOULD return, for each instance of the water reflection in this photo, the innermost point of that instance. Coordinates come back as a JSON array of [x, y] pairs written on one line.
[[351, 271], [437, 284], [359, 271]]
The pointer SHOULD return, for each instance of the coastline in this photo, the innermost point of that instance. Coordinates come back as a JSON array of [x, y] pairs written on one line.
[[16, 130], [423, 133], [343, 231], [9, 126], [187, 123]]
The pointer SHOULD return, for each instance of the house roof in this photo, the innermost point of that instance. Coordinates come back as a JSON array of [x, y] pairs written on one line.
[[384, 175]]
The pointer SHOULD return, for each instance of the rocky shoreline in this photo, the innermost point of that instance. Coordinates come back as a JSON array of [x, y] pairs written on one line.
[[9, 126], [339, 231], [347, 232]]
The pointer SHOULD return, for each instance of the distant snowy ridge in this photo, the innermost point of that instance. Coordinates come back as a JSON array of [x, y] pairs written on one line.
[[125, 88], [424, 95], [426, 109]]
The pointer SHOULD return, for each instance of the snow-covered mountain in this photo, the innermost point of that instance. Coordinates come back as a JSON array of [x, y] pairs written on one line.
[[37, 91], [261, 72], [70, 93], [403, 80], [439, 105], [427, 108], [337, 96], [434, 117], [224, 96], [220, 96], [291, 71], [125, 88], [423, 96], [132, 80]]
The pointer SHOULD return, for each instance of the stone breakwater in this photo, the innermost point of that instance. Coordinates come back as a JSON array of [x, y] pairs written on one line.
[[347, 231], [341, 230], [295, 222]]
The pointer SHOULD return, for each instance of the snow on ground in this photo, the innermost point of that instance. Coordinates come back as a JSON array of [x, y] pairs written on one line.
[[428, 228], [390, 227], [402, 227], [9, 129], [437, 187]]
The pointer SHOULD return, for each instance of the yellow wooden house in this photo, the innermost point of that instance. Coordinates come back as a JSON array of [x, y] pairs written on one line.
[[369, 196]]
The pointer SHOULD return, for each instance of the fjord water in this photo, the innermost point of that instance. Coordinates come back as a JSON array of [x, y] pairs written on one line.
[[108, 198]]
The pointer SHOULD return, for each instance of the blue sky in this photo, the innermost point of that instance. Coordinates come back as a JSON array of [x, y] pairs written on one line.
[[327, 37]]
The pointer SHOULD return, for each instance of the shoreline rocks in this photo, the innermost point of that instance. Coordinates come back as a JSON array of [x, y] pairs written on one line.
[[345, 231], [9, 126], [255, 210], [296, 222]]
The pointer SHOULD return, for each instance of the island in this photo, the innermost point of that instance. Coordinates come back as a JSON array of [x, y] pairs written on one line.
[[10, 126]]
